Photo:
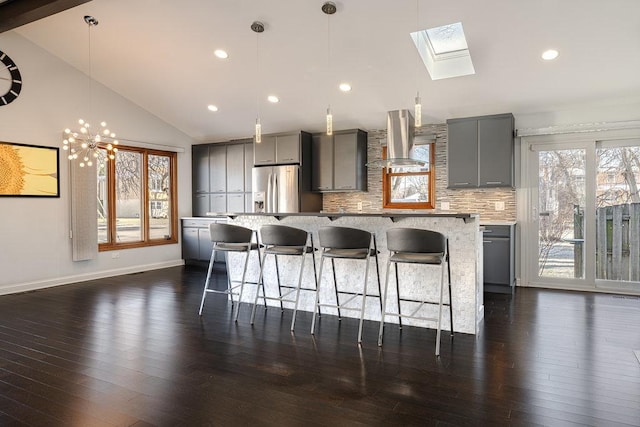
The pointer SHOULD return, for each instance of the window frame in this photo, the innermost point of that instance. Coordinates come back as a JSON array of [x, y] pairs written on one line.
[[111, 244], [431, 173]]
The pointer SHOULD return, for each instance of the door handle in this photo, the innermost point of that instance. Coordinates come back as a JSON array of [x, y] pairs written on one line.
[[275, 192]]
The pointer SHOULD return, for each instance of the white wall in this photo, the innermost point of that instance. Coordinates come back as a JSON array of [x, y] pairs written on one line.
[[35, 250]]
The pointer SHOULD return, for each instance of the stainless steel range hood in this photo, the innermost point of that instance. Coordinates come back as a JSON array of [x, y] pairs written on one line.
[[400, 136]]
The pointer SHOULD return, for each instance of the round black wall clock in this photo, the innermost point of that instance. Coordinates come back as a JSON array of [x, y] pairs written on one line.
[[10, 80]]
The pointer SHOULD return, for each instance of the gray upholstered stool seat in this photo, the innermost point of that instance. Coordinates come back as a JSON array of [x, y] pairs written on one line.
[[230, 238], [347, 243], [281, 240], [416, 246]]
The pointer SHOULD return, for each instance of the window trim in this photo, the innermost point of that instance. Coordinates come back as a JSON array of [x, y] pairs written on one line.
[[386, 184], [145, 220]]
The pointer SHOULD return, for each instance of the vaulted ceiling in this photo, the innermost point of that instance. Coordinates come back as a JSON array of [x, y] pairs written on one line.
[[159, 54]]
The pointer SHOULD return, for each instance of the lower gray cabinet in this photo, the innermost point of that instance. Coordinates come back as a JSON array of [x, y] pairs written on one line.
[[200, 204], [235, 202], [499, 258], [218, 203], [196, 239]]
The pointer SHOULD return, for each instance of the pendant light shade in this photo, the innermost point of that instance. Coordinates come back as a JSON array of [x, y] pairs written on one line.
[[258, 133], [418, 111], [329, 122]]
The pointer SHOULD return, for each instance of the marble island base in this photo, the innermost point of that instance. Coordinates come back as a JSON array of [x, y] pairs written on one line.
[[465, 245]]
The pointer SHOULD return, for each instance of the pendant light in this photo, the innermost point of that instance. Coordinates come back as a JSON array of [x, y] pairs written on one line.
[[329, 8], [258, 27], [418, 106], [84, 145]]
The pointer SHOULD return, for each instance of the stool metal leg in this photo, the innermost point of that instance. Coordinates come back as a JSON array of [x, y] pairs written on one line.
[[279, 286], [206, 282], [375, 248], [315, 273], [260, 280], [364, 299], [315, 311], [244, 274], [335, 284], [295, 307], [440, 310], [384, 302], [450, 298], [398, 295]]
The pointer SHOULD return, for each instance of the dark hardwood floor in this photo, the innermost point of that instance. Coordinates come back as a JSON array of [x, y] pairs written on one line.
[[132, 351]]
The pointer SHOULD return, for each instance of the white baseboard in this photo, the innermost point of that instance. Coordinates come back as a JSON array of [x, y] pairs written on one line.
[[58, 281]]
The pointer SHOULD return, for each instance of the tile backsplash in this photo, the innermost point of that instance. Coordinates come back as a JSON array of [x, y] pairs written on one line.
[[479, 200]]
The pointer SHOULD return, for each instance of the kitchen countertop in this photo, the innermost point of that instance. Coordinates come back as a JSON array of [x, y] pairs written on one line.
[[332, 215]]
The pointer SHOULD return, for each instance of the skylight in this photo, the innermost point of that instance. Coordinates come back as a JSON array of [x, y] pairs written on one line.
[[444, 51]]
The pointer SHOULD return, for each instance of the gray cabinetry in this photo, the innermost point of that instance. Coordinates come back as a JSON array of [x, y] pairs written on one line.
[[220, 170], [235, 202], [217, 168], [462, 155], [200, 168], [200, 204], [480, 151], [218, 202], [339, 161], [196, 239], [322, 158], [499, 258], [248, 165], [235, 168], [277, 149]]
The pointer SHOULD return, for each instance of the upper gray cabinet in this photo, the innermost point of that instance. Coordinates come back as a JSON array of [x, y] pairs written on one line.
[[480, 151], [322, 161], [277, 149], [217, 168], [235, 168], [248, 165], [200, 168], [339, 161]]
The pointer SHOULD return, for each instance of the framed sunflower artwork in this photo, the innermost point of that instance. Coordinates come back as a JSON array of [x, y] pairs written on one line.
[[29, 170]]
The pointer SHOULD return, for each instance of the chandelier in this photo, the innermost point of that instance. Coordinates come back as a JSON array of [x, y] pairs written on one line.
[[86, 144]]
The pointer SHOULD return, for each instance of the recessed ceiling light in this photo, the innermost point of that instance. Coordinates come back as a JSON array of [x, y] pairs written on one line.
[[345, 87], [212, 108], [550, 54], [273, 98], [221, 54]]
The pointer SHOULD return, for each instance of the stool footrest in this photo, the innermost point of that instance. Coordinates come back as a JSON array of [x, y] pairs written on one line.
[[411, 316], [359, 294], [341, 307], [419, 301], [280, 298], [295, 287]]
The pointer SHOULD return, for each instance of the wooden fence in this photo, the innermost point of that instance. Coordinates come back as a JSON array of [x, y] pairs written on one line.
[[617, 242]]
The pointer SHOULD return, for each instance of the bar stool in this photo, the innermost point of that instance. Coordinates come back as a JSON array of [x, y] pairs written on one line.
[[230, 238], [416, 246], [346, 243], [281, 240]]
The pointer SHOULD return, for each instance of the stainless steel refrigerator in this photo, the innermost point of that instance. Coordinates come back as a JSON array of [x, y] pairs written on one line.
[[279, 189]]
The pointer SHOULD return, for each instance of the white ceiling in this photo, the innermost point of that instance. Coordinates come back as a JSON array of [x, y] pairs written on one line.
[[159, 54]]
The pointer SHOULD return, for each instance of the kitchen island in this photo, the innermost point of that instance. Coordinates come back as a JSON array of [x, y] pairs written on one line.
[[465, 246]]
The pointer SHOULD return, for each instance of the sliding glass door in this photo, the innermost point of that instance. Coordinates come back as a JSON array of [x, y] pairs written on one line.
[[584, 223]]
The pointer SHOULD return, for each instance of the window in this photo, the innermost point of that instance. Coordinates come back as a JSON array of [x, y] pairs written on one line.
[[410, 187], [137, 199]]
